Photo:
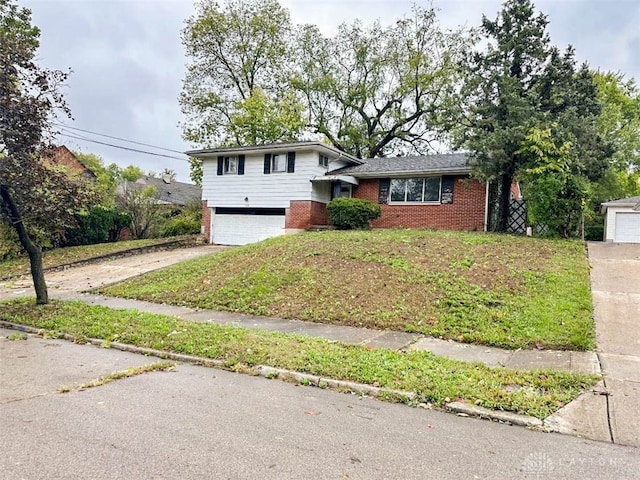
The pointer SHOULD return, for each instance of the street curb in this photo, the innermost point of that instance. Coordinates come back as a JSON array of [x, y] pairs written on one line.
[[460, 408], [465, 409], [259, 370]]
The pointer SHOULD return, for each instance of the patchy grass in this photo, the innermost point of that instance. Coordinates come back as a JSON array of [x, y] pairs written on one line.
[[62, 256], [500, 290], [129, 372], [434, 379]]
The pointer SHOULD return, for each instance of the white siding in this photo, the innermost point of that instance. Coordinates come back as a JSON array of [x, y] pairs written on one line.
[[274, 190]]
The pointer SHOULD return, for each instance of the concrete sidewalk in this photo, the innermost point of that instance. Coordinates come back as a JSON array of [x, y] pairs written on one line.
[[584, 362]]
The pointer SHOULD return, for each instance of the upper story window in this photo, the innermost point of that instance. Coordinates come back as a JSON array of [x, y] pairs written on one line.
[[323, 161], [415, 189], [279, 163], [230, 166]]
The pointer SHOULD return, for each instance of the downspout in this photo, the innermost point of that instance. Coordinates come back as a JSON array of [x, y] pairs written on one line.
[[486, 206]]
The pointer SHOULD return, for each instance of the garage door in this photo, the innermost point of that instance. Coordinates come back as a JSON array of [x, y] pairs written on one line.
[[627, 227], [239, 226]]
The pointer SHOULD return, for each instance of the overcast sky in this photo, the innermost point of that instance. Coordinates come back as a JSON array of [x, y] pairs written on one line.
[[128, 62]]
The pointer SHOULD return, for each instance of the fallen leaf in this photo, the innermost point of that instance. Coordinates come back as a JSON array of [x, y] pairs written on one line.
[[311, 412]]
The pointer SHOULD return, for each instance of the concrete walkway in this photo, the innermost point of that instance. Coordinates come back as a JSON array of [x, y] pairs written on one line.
[[611, 414], [585, 362]]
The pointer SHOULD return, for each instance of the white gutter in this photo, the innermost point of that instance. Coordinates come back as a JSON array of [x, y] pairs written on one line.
[[411, 173]]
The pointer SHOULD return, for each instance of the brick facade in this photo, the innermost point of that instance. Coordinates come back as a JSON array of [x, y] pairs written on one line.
[[62, 156], [206, 221], [467, 212], [301, 214]]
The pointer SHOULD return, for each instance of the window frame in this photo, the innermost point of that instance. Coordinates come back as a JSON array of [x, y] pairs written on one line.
[[274, 161], [406, 182], [323, 160], [227, 161]]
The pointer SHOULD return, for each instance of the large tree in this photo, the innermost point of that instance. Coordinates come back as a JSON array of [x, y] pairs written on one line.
[[36, 199], [370, 90], [373, 91], [235, 90], [520, 83]]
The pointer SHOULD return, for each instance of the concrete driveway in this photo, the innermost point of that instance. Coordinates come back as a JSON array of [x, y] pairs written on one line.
[[615, 285], [96, 275]]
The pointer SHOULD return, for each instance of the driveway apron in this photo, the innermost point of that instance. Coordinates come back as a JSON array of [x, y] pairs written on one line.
[[615, 284]]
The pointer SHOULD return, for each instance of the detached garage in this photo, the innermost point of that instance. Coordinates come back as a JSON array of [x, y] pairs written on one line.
[[622, 220], [239, 226]]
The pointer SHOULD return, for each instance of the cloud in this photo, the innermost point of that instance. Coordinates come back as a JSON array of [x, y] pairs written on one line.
[[128, 62]]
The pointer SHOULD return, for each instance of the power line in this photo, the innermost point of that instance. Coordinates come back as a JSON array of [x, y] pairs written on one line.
[[116, 138], [123, 148]]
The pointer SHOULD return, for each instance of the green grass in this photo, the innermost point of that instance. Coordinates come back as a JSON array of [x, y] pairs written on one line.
[[434, 379], [62, 256], [499, 290]]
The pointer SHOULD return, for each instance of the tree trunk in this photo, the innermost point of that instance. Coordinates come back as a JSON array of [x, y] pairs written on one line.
[[503, 202], [34, 251]]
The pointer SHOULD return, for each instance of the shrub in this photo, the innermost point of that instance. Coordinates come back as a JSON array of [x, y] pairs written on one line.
[[181, 225], [350, 213], [100, 224]]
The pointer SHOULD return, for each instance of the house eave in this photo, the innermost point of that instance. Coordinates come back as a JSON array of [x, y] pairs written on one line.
[[277, 148], [412, 173]]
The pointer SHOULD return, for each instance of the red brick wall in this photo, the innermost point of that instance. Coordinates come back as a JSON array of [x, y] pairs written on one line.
[[319, 214], [63, 156], [206, 221], [465, 213], [303, 213]]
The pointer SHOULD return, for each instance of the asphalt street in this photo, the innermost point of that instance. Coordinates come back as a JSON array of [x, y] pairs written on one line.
[[201, 423]]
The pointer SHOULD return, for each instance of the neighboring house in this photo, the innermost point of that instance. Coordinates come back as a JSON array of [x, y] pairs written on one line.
[[257, 192], [622, 220], [62, 156], [168, 192]]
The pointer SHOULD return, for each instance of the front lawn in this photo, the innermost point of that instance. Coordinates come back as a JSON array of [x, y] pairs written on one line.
[[500, 290], [434, 379]]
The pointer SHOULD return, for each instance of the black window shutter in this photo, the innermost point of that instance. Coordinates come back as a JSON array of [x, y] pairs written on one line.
[[241, 165], [291, 162], [220, 165], [267, 163], [384, 185], [447, 189]]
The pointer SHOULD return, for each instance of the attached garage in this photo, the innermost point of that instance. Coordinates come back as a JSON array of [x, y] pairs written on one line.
[[622, 220], [240, 226]]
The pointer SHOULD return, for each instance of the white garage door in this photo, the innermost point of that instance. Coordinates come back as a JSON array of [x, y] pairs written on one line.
[[627, 227], [235, 226]]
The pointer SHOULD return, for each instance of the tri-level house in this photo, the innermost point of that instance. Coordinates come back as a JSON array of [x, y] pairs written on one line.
[[257, 192]]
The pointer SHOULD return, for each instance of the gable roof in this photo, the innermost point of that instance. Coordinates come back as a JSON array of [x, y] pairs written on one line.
[[176, 193], [276, 147], [62, 156], [404, 166]]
